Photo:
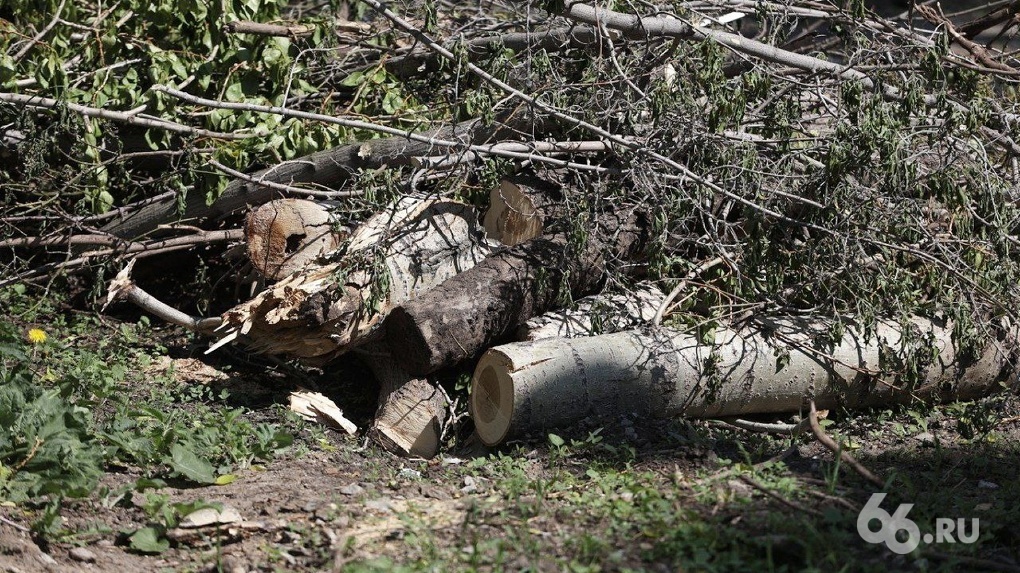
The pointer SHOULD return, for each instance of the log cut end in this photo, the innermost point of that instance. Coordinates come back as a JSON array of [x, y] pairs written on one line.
[[410, 420], [492, 398], [285, 235]]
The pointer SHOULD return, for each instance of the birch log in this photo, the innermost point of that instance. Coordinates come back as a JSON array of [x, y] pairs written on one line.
[[527, 387], [598, 314], [324, 310]]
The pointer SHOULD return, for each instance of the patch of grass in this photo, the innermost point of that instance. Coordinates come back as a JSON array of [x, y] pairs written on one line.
[[75, 400]]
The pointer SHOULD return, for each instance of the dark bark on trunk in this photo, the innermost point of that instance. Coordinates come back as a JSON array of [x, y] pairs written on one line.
[[476, 308]]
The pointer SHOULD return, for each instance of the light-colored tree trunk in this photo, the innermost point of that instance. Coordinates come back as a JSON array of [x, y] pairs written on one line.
[[527, 387]]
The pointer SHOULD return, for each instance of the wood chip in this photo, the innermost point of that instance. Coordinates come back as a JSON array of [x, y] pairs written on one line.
[[209, 516], [315, 407]]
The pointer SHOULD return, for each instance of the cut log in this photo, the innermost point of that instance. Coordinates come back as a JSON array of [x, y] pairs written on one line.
[[474, 309], [410, 420], [527, 387], [521, 206], [405, 424], [323, 311], [285, 235], [599, 314]]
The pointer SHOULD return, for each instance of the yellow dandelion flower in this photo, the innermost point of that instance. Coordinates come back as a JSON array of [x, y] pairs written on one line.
[[37, 336]]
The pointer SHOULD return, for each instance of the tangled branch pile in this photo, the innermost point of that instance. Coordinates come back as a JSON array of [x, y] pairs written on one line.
[[784, 158]]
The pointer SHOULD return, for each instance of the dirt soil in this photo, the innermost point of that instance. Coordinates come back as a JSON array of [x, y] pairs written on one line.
[[343, 504]]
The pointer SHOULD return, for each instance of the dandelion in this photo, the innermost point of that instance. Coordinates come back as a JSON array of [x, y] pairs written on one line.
[[37, 336]]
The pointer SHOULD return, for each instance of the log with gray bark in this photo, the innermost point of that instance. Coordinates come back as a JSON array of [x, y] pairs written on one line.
[[528, 387], [333, 305], [329, 168], [471, 311]]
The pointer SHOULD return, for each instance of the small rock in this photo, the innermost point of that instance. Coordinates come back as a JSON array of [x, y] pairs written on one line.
[[983, 484], [325, 512], [451, 461], [470, 485], [381, 505], [352, 489], [408, 473], [82, 554], [434, 492], [46, 559], [209, 516], [233, 564], [925, 438]]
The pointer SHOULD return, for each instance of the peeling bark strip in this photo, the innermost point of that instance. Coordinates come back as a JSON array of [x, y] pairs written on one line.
[[527, 387], [322, 311], [474, 309]]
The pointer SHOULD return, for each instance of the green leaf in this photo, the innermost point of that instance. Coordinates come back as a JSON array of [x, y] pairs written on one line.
[[235, 92], [782, 360], [555, 440], [188, 464], [225, 479], [149, 540], [353, 80]]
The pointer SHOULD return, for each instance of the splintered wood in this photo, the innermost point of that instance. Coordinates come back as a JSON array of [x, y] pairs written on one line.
[[337, 300]]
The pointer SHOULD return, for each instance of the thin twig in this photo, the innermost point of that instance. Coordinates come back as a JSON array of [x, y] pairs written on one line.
[[38, 102], [789, 503], [766, 428], [835, 448], [284, 188], [15, 525], [38, 37], [661, 311], [138, 249], [491, 149]]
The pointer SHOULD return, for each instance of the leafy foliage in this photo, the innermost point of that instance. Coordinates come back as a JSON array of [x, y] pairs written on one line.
[[46, 446], [68, 415]]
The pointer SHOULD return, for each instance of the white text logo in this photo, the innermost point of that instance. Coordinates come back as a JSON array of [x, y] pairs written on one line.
[[892, 525]]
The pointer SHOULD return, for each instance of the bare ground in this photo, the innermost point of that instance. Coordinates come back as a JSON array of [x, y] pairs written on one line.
[[657, 496]]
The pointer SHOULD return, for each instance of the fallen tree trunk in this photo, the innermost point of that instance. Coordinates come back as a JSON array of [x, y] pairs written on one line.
[[329, 168], [323, 311], [474, 309], [527, 387], [599, 314]]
